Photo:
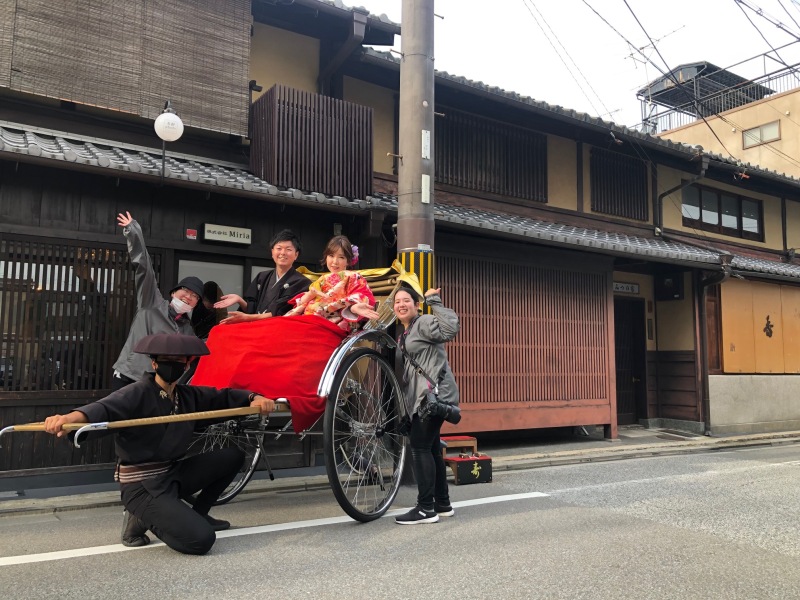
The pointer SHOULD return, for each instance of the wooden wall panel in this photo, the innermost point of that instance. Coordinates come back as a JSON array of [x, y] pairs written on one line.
[[760, 327], [535, 342], [312, 143], [618, 184], [477, 153], [790, 301], [20, 196], [767, 328], [652, 385], [24, 451], [738, 338], [677, 386]]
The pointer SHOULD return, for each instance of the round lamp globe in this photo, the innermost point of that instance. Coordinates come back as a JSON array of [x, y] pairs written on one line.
[[168, 126]]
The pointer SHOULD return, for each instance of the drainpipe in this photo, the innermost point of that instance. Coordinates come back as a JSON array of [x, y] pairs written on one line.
[[659, 212], [713, 279], [352, 42]]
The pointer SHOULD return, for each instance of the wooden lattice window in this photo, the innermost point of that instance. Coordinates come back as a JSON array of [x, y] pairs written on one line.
[[618, 185], [553, 344], [65, 310], [480, 154]]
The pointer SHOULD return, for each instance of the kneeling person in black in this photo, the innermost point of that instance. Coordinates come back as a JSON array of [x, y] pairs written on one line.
[[154, 475]]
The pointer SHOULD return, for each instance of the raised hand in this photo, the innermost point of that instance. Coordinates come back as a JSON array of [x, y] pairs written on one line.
[[124, 219], [432, 291]]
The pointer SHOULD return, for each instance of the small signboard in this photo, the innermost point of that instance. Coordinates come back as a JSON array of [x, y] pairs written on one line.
[[226, 233], [191, 234], [626, 288]]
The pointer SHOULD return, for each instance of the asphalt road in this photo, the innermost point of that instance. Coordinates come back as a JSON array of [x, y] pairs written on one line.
[[706, 525]]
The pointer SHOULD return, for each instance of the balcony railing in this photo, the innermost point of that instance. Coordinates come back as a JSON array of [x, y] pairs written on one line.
[[657, 118], [312, 143]]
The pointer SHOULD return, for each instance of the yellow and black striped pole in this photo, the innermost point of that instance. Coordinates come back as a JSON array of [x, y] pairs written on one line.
[[422, 264]]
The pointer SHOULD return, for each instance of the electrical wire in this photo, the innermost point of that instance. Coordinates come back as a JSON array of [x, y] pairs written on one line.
[[696, 102], [673, 79], [786, 10], [561, 58], [741, 4]]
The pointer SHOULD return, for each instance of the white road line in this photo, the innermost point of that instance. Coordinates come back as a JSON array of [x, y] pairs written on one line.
[[112, 548]]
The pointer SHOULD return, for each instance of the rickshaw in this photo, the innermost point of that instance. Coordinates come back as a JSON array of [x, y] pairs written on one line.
[[363, 446]]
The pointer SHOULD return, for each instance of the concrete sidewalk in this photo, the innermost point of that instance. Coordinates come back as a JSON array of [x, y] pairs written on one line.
[[508, 453]]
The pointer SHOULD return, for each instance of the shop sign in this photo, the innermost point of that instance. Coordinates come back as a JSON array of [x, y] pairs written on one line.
[[191, 234], [225, 233], [626, 288]]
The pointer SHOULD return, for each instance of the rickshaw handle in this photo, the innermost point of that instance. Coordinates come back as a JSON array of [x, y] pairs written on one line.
[[281, 405]]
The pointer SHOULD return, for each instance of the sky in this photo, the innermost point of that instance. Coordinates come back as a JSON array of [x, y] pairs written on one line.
[[523, 45]]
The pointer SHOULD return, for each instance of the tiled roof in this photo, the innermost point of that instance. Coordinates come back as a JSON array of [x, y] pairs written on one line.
[[372, 17], [588, 121], [107, 155], [569, 235], [747, 264], [103, 155]]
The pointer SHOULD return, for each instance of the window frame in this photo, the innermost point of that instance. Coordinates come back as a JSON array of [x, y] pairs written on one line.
[[739, 231], [761, 141]]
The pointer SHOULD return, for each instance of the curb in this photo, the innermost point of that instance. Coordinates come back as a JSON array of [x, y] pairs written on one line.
[[518, 462], [571, 457]]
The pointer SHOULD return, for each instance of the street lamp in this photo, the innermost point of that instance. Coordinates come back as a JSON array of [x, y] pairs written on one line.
[[169, 128]]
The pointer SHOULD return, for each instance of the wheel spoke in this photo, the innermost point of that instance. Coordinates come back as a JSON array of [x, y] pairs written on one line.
[[244, 434]]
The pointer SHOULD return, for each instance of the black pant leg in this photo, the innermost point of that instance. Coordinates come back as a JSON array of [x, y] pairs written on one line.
[[209, 473], [424, 442], [441, 489], [174, 522]]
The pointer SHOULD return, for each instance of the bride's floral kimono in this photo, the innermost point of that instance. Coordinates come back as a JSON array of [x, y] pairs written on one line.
[[331, 297]]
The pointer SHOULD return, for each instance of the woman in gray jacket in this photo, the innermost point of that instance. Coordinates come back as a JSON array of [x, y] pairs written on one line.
[[423, 338]]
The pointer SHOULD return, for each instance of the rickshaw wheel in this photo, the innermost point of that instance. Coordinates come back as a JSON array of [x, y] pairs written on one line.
[[244, 434], [364, 450]]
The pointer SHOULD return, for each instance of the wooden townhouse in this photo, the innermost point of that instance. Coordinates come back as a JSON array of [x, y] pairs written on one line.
[[569, 245]]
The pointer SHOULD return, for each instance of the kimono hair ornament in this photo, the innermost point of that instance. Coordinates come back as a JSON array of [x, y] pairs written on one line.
[[354, 260]]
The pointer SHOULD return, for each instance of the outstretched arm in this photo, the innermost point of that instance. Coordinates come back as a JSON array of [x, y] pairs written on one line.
[[147, 293]]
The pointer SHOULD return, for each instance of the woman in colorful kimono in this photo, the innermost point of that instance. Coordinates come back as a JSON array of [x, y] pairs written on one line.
[[341, 296]]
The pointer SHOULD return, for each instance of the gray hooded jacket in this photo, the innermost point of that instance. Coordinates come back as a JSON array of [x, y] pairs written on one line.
[[153, 313], [424, 341]]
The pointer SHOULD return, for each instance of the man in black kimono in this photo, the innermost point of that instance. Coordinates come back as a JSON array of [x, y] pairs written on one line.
[[154, 476], [270, 292]]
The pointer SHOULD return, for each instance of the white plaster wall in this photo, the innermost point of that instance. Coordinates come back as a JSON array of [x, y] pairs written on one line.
[[754, 403]]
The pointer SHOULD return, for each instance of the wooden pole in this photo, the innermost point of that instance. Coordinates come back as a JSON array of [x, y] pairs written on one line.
[[280, 406]]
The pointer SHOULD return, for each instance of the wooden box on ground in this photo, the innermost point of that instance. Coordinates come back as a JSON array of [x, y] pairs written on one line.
[[470, 466]]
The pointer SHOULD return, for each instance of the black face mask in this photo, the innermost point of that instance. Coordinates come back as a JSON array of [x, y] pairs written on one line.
[[170, 371]]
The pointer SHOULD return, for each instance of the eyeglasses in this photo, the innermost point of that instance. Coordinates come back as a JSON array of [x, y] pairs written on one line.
[[192, 295]]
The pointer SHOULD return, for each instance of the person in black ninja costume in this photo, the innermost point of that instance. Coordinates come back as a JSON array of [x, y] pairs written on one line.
[[154, 474]]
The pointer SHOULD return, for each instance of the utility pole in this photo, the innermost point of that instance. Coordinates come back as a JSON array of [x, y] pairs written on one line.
[[415, 225]]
